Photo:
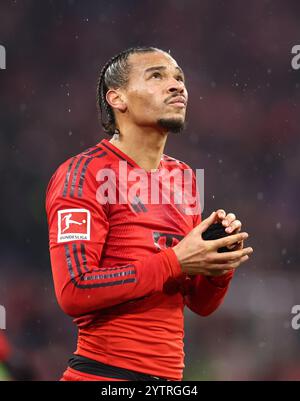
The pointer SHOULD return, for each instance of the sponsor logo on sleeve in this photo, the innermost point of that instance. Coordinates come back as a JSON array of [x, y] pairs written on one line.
[[74, 225]]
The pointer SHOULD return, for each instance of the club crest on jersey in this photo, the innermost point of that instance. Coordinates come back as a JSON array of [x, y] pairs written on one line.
[[74, 225], [165, 240]]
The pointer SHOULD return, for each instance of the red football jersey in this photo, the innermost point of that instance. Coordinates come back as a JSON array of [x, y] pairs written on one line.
[[114, 268]]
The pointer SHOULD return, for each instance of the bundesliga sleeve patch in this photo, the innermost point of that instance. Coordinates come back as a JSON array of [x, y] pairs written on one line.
[[74, 225]]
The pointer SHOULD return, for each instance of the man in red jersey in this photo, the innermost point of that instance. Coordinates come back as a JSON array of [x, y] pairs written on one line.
[[123, 267]]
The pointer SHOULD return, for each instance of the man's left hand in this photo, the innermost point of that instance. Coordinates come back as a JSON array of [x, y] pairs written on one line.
[[232, 226]]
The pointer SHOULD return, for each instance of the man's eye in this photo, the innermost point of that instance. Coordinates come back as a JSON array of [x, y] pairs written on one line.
[[156, 74], [180, 78]]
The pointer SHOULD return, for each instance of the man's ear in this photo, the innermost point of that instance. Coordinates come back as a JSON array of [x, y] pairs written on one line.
[[116, 100]]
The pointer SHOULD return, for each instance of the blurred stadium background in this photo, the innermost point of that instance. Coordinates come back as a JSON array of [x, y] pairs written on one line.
[[243, 129]]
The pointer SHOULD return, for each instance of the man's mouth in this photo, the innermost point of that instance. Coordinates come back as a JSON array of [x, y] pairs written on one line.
[[178, 101]]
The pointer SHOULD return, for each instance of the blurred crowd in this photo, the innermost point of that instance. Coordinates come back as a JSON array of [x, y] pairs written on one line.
[[242, 129]]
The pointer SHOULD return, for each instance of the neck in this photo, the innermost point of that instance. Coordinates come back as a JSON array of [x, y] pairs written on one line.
[[143, 145]]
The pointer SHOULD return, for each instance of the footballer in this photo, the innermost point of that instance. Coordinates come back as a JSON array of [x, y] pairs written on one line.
[[125, 270]]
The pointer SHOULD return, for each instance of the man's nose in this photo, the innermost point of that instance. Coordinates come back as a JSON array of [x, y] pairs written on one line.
[[176, 86]]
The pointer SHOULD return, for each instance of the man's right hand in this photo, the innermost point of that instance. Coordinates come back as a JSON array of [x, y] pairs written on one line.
[[197, 256]]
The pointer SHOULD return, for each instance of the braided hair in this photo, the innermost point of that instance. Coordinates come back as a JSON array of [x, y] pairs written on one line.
[[114, 75]]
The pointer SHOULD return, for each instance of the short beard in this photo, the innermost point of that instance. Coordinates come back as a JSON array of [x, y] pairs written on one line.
[[172, 124]]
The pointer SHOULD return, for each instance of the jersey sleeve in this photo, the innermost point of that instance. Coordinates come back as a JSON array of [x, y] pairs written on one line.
[[82, 284], [203, 295]]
